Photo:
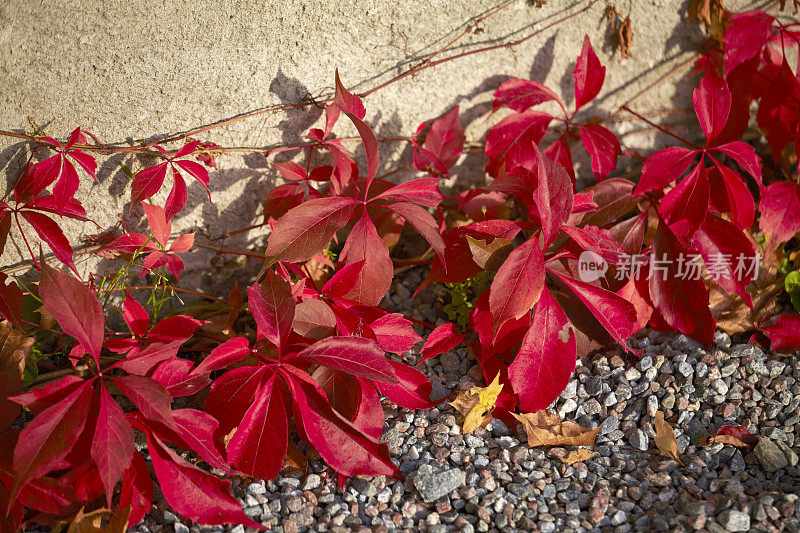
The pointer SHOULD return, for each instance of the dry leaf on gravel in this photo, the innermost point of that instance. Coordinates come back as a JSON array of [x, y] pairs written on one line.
[[665, 437], [731, 312], [93, 522], [476, 405], [578, 456], [545, 429], [737, 436]]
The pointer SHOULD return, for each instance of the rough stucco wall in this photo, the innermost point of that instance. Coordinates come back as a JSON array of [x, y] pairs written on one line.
[[143, 70]]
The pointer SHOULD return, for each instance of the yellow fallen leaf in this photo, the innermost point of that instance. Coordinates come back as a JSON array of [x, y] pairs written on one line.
[[476, 405], [545, 429], [665, 437], [578, 456]]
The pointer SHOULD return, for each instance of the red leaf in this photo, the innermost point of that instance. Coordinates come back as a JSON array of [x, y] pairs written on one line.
[[49, 437], [177, 195], [135, 316], [75, 307], [722, 244], [39, 399], [173, 328], [11, 301], [291, 171], [589, 75], [780, 210], [137, 489], [394, 333], [745, 155], [422, 191], [365, 245], [553, 195], [342, 445], [602, 146], [142, 362], [347, 101], [683, 303], [446, 138], [261, 439], [617, 315], [740, 432], [442, 339], [520, 95], [560, 152], [546, 359], [192, 493], [413, 390], [596, 240], [423, 222], [314, 319], [712, 103], [112, 445], [663, 167], [343, 280], [684, 207], [149, 397], [356, 356], [147, 182], [198, 432], [72, 209], [131, 243], [159, 223], [783, 332], [227, 353], [508, 143], [518, 283], [306, 229], [176, 377], [232, 394], [739, 198], [745, 36], [272, 306], [51, 233]]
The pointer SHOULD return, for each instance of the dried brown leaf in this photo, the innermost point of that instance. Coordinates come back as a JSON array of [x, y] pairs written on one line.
[[624, 34], [732, 313], [236, 299], [295, 459], [665, 437], [14, 350], [708, 440], [712, 14], [545, 429], [489, 256], [578, 456], [93, 522]]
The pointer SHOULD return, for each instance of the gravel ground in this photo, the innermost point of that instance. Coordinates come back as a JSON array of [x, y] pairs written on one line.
[[490, 481]]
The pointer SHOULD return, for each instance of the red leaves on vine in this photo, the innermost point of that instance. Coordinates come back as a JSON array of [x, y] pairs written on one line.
[[148, 181]]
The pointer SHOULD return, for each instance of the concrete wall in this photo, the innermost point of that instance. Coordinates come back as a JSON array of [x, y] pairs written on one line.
[[146, 69]]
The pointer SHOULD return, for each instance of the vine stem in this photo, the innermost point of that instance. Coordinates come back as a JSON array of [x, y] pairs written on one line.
[[659, 128], [145, 148]]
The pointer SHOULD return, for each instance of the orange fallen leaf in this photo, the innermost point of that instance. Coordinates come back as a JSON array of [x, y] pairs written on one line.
[[665, 438], [578, 456], [544, 428]]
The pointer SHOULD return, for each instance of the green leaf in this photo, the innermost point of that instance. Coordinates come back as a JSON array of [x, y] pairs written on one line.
[[792, 285]]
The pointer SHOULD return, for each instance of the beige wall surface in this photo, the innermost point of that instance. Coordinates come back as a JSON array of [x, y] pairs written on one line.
[[146, 69]]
